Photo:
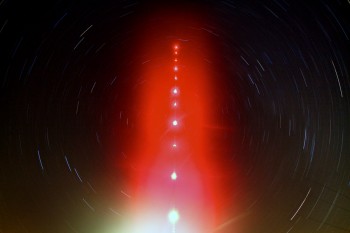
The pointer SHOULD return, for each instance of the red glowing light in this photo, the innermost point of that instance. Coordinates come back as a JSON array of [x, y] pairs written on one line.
[[170, 134]]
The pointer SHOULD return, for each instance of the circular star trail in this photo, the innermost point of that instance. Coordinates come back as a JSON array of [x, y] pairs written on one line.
[[260, 88]]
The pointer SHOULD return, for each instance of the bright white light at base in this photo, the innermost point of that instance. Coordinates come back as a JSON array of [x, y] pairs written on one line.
[[175, 123], [173, 216], [173, 176]]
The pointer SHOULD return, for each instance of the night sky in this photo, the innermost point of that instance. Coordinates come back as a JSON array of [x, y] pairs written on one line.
[[71, 78]]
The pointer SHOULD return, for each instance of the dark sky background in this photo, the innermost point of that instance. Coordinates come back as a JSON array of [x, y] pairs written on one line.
[[67, 79]]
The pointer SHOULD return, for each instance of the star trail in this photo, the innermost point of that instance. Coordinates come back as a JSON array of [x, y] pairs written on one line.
[[174, 117]]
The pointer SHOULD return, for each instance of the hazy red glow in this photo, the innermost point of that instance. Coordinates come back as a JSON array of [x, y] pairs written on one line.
[[175, 139]]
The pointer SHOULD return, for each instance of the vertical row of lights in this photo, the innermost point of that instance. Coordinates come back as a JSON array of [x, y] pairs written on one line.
[[173, 214]]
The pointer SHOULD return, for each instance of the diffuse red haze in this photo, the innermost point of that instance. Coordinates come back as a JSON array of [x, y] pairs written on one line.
[[175, 185]]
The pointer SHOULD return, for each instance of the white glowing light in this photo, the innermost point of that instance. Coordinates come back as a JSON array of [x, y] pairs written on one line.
[[173, 216], [176, 68], [175, 91], [175, 77], [176, 47], [173, 175], [175, 52], [174, 145], [175, 123], [175, 104], [175, 59]]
